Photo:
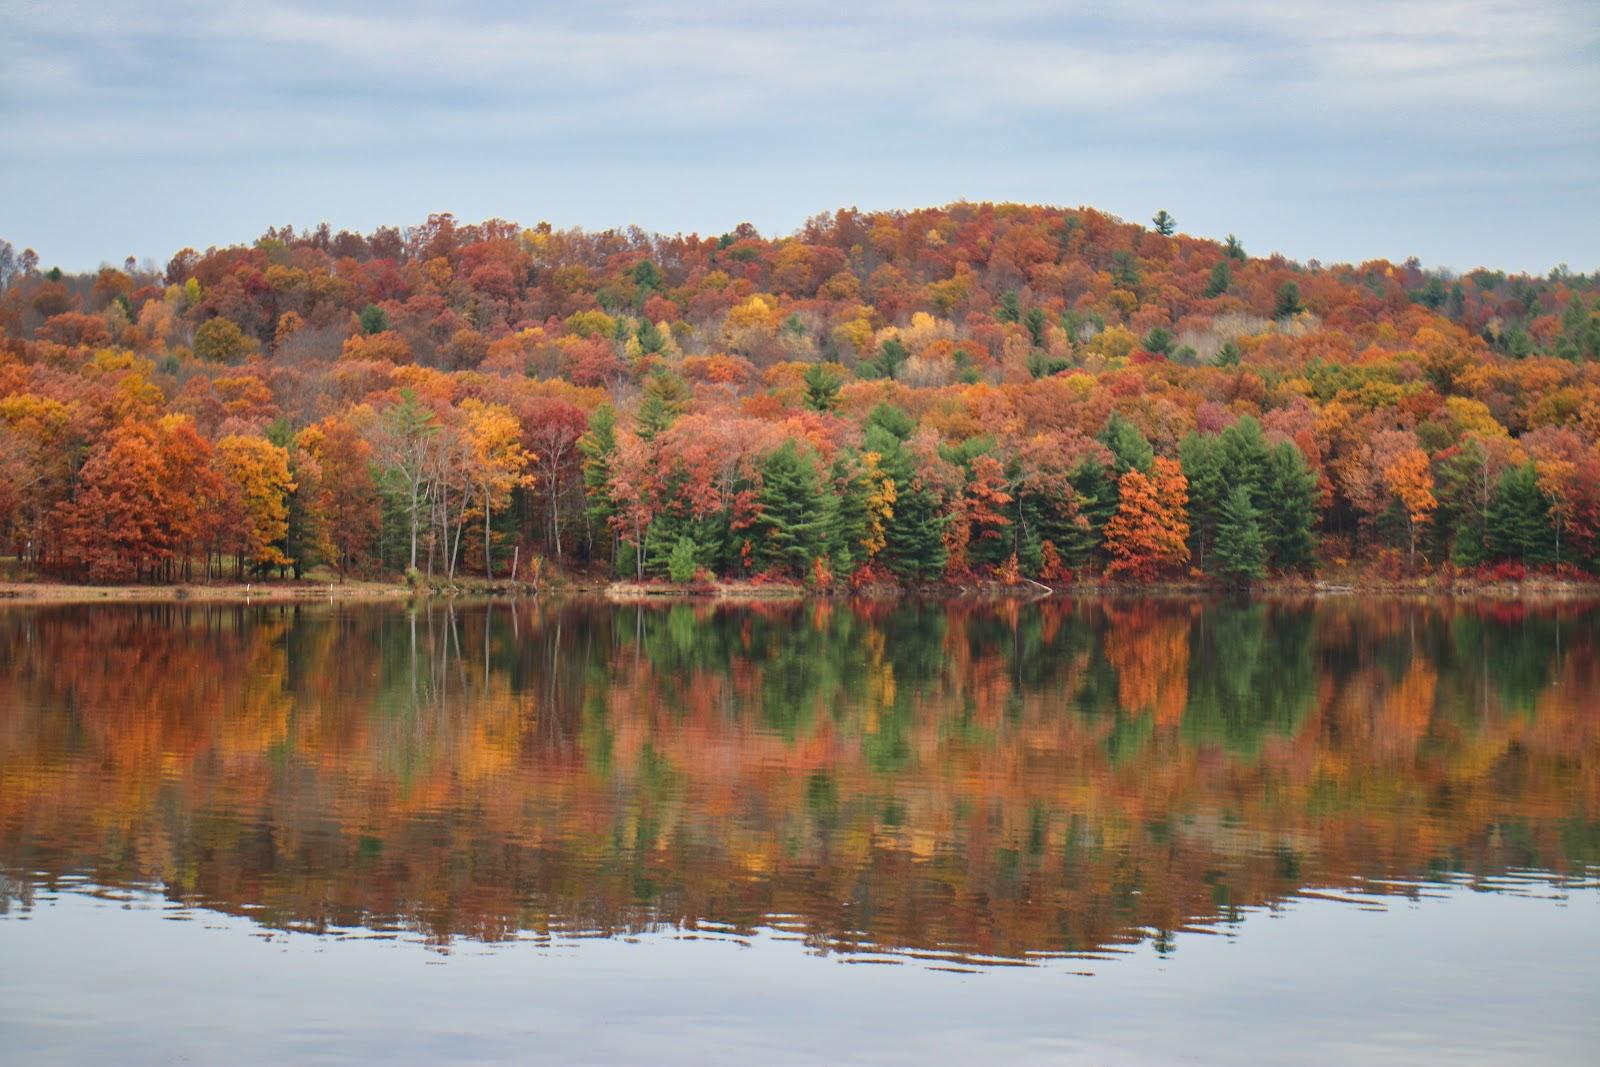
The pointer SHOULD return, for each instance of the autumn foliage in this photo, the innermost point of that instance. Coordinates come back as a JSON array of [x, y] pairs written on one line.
[[971, 392]]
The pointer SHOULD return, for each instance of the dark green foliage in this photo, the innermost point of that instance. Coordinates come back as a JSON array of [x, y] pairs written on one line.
[[1221, 278], [1228, 355], [1009, 310], [891, 356], [796, 516], [1041, 365], [1125, 269], [1241, 553], [1288, 303], [598, 447], [853, 493], [665, 396], [1580, 332], [647, 277], [1233, 249], [681, 564], [651, 340], [1279, 483], [1079, 541], [1431, 295], [1036, 321], [1519, 525], [1130, 448], [1460, 523], [1289, 508], [914, 535], [822, 388], [890, 420], [1165, 224], [1203, 465], [374, 319], [1158, 340]]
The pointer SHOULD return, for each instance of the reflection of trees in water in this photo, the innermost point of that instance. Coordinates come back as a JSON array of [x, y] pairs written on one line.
[[975, 777]]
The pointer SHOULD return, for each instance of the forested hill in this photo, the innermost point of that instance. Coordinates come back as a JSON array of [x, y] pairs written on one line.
[[990, 390]]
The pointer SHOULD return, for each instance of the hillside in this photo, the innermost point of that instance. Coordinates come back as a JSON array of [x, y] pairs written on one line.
[[977, 390]]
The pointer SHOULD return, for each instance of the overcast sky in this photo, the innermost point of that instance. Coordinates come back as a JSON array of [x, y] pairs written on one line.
[[1465, 132]]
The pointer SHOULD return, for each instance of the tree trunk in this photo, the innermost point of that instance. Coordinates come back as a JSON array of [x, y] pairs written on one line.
[[488, 559]]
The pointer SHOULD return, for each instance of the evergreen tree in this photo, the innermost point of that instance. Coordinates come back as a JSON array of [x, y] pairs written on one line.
[[665, 396], [1203, 464], [1130, 448], [1036, 321], [1288, 303], [681, 564], [1519, 519], [1221, 278], [1233, 249], [914, 534], [793, 527], [1241, 554], [1158, 340], [1461, 521], [846, 539], [890, 421], [374, 319], [598, 447], [1289, 489], [1165, 224], [1244, 457], [1080, 542], [822, 388]]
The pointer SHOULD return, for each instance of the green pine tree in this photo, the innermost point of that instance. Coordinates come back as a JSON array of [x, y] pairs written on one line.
[[1519, 524], [1221, 278], [793, 527], [598, 447], [665, 396], [1129, 447], [1288, 303], [1290, 516], [1240, 555], [681, 565], [822, 388], [1203, 464]]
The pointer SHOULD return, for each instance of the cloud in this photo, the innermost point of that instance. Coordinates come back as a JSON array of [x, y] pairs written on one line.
[[1240, 101]]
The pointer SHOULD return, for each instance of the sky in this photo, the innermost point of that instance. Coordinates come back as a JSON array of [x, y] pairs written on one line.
[[1464, 132]]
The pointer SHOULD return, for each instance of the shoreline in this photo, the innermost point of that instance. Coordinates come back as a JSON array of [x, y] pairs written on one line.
[[43, 593]]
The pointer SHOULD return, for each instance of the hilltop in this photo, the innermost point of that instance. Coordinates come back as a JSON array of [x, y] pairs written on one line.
[[980, 390]]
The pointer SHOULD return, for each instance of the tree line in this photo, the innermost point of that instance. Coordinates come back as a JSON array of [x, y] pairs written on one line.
[[979, 391]]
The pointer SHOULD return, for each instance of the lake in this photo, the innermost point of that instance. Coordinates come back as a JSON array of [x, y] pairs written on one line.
[[890, 832]]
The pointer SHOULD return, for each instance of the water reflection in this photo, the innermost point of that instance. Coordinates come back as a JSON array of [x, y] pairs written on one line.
[[966, 784]]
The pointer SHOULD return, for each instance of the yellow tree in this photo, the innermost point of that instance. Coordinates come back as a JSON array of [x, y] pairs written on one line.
[[258, 472], [497, 462]]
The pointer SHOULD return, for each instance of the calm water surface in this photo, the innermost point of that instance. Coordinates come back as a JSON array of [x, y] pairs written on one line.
[[913, 832]]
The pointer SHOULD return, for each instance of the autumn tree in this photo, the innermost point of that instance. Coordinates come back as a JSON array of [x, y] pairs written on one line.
[[347, 496], [220, 340], [1409, 477], [497, 463], [115, 526], [1146, 535], [256, 472]]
